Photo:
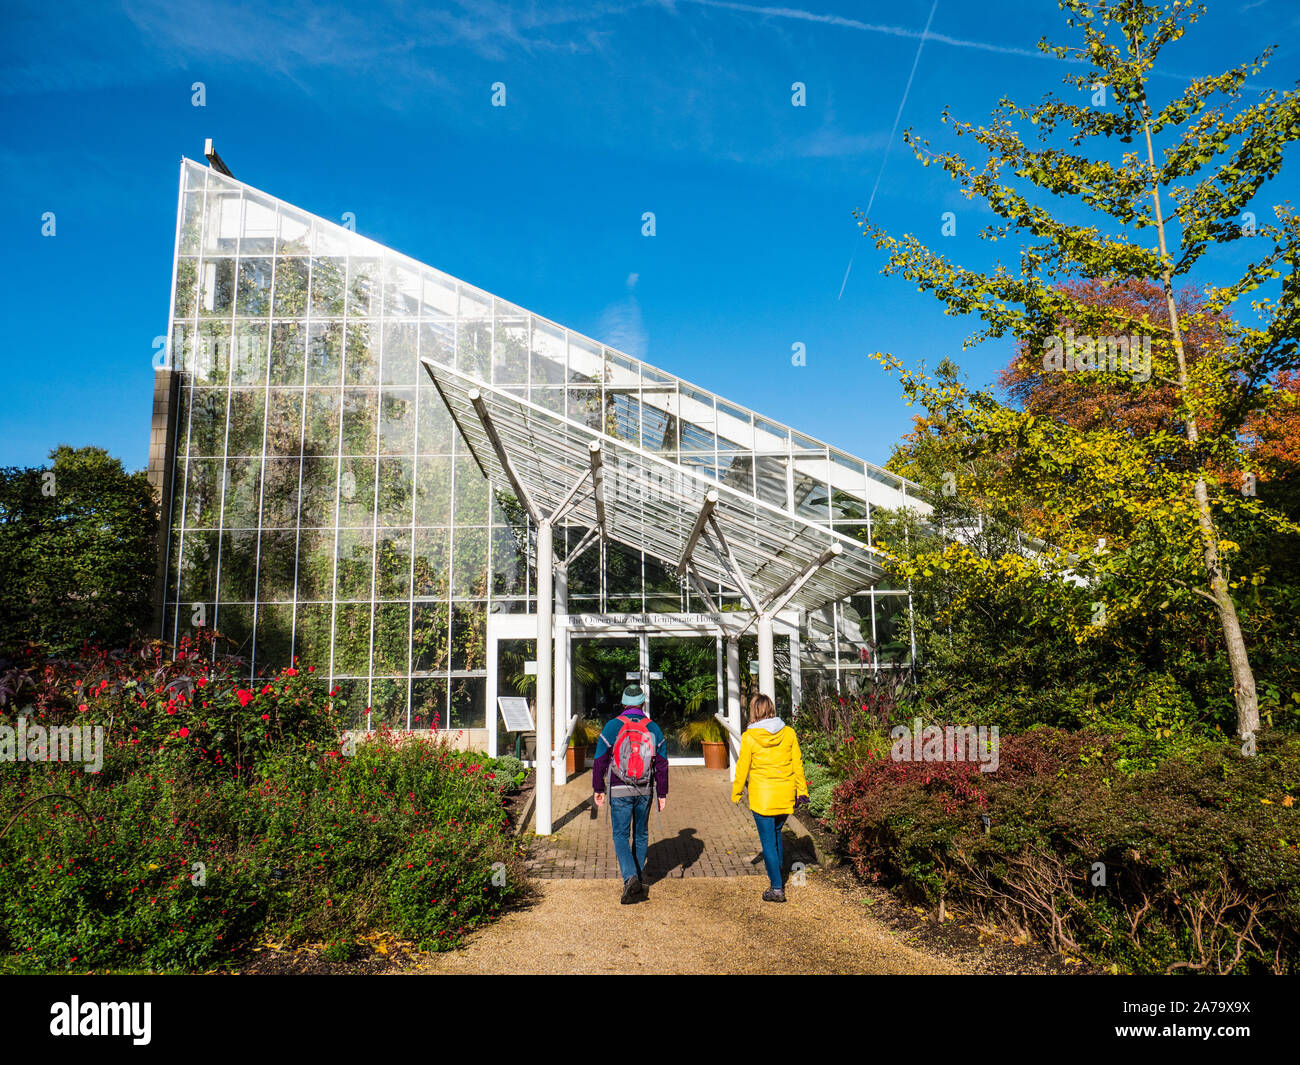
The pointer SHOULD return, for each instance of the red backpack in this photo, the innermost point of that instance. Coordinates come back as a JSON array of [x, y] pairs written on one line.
[[634, 751]]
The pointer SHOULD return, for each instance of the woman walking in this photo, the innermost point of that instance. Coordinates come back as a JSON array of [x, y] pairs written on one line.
[[769, 758]]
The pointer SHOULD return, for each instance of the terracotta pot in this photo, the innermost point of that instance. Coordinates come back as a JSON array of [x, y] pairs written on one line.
[[575, 760], [715, 755]]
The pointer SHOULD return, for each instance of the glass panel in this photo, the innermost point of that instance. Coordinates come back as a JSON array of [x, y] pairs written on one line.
[[324, 353], [399, 353], [586, 361], [428, 703], [187, 287], [689, 688], [243, 484], [258, 233], [429, 638], [290, 288], [431, 555], [468, 695], [397, 422], [288, 353], [393, 643], [253, 297], [510, 352], [360, 411], [274, 644], [238, 567], [468, 635], [393, 568], [316, 565], [439, 296], [284, 421], [248, 358], [599, 674], [319, 487], [321, 427], [770, 478], [280, 493], [435, 428], [295, 234], [547, 361], [433, 490], [362, 364], [474, 347], [365, 287], [357, 493], [438, 344], [208, 421], [311, 643], [352, 638], [469, 571], [388, 703], [395, 490]]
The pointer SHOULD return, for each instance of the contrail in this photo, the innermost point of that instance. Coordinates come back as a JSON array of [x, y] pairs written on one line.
[[868, 27], [892, 133]]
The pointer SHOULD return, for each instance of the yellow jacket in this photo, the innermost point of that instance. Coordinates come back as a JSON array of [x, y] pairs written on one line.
[[773, 765]]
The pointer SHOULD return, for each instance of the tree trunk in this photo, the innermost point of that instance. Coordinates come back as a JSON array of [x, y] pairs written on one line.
[[1243, 678]]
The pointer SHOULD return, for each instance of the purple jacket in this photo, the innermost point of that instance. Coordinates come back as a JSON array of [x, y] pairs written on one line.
[[605, 754]]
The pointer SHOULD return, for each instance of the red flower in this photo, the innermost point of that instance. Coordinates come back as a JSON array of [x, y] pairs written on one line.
[[266, 717], [201, 682], [184, 732], [245, 697], [290, 672]]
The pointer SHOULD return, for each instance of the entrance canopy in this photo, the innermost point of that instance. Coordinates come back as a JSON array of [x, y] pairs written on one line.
[[707, 531]]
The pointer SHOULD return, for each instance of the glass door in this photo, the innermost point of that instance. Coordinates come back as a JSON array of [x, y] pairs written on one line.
[[683, 678], [599, 674]]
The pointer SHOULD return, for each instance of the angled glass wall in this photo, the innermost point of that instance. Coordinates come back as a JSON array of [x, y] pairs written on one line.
[[325, 508]]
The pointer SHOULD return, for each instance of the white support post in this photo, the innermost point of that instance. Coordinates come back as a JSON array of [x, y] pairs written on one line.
[[733, 697], [766, 663], [560, 686], [545, 620]]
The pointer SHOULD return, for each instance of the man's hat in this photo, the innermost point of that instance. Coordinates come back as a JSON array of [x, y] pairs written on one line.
[[633, 695]]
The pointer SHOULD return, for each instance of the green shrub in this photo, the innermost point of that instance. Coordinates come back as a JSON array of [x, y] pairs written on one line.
[[173, 859], [1191, 864]]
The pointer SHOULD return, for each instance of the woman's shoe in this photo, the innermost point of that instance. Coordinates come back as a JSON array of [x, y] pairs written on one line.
[[774, 895], [631, 890]]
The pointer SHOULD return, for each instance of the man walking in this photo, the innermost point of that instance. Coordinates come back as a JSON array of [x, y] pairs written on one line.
[[632, 765]]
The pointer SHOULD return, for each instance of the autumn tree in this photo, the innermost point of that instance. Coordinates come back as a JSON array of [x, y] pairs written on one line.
[[1138, 518]]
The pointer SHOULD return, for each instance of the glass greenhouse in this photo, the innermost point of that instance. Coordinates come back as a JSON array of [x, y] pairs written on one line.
[[323, 504]]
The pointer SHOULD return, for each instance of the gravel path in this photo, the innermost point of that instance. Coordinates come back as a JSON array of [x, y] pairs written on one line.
[[713, 926]]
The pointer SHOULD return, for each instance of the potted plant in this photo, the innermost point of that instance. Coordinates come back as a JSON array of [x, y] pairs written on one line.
[[711, 737], [585, 733]]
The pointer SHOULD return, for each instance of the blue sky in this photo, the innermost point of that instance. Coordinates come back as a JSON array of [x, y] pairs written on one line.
[[612, 109]]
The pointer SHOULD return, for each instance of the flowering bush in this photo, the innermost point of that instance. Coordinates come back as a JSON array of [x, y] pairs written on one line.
[[227, 810], [1193, 864]]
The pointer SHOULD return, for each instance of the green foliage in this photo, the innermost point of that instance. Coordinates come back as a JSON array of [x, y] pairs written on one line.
[[702, 730], [1200, 848], [178, 856], [77, 554]]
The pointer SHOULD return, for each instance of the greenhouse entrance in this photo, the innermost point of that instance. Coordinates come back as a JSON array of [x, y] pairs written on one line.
[[694, 667], [680, 674]]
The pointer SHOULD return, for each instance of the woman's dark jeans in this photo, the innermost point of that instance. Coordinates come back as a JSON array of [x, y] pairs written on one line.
[[769, 834]]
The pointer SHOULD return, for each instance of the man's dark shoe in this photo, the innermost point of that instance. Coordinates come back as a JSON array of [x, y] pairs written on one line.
[[631, 890], [774, 895]]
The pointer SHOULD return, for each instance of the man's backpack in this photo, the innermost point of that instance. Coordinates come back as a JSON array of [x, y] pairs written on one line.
[[634, 751]]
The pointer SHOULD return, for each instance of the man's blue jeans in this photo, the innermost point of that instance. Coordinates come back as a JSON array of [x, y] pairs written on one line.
[[631, 817], [769, 834]]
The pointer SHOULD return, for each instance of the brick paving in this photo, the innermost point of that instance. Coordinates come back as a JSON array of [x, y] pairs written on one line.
[[703, 835]]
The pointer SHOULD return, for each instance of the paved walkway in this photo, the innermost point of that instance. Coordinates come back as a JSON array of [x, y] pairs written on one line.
[[688, 926], [703, 834]]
